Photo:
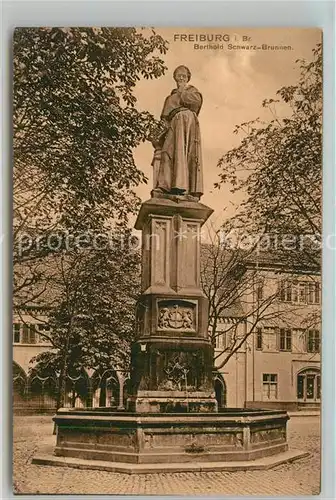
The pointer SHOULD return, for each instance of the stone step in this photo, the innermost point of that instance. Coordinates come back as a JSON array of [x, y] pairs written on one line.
[[264, 463]]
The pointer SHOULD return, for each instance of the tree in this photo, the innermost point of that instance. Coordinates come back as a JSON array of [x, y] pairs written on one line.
[[75, 125], [239, 289], [278, 165], [93, 323]]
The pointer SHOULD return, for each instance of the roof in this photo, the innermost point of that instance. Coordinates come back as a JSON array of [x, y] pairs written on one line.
[[234, 311], [285, 261]]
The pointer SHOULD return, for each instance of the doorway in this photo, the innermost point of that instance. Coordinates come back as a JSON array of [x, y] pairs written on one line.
[[309, 386], [220, 391]]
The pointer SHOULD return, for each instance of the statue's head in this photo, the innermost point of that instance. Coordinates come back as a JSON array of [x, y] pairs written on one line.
[[182, 74]]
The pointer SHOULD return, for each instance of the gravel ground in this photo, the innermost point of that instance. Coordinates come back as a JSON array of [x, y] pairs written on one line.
[[34, 433]]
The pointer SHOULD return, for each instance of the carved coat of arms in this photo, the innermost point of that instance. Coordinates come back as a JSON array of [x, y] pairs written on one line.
[[176, 317]]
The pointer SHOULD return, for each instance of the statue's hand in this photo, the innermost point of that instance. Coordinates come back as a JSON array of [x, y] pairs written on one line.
[[181, 86]]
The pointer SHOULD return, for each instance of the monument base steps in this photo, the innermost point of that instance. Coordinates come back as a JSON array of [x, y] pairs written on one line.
[[264, 463]]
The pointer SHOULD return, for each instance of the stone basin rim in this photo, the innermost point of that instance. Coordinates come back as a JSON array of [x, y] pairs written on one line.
[[105, 411]]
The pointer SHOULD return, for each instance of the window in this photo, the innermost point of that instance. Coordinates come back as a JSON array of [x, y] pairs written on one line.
[[311, 290], [32, 337], [313, 341], [300, 386], [285, 339], [285, 292], [28, 334], [219, 340], [309, 385], [318, 387], [260, 291], [16, 333], [270, 386], [25, 334], [223, 340], [295, 293], [269, 339], [44, 329], [300, 291], [259, 338]]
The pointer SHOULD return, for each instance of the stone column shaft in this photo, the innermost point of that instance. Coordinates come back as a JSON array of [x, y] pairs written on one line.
[[172, 356]]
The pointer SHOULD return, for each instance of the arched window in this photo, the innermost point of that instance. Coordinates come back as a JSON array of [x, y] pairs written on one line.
[[43, 388], [220, 390], [19, 384], [309, 385], [105, 388], [77, 389]]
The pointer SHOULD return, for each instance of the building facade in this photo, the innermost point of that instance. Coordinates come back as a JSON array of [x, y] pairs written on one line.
[[276, 366], [35, 392], [279, 363]]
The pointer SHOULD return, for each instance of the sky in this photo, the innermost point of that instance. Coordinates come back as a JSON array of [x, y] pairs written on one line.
[[233, 84]]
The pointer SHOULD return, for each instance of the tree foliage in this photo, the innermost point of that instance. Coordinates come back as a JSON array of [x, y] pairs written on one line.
[[93, 322], [75, 125], [278, 164], [75, 122]]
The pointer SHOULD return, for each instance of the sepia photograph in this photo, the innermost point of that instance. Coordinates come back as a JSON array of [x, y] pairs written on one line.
[[167, 242]]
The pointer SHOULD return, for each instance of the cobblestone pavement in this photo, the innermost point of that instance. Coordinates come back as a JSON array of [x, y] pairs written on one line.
[[298, 478]]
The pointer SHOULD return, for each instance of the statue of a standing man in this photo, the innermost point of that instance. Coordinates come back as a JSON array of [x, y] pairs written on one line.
[[178, 148]]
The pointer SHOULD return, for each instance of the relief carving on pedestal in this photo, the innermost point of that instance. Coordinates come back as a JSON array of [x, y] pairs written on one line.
[[181, 371], [177, 317]]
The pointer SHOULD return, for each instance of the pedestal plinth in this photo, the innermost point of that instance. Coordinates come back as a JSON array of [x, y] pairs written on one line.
[[172, 358], [172, 375]]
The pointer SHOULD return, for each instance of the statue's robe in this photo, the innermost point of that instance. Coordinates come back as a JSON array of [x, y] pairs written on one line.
[[180, 168]]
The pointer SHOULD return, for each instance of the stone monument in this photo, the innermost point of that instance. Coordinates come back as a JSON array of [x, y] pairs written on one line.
[[172, 421], [172, 356]]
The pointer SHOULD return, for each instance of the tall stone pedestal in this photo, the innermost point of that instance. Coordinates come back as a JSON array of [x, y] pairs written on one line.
[[172, 357]]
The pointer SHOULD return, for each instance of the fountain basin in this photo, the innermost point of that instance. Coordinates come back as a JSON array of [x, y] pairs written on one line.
[[135, 438]]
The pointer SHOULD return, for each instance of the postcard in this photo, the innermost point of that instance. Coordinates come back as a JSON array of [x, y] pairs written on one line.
[[167, 193]]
